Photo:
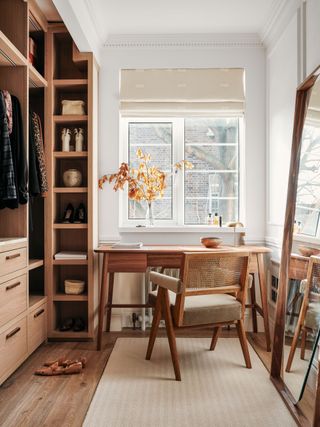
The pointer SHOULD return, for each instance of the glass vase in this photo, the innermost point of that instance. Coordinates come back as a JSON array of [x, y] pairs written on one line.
[[149, 215]]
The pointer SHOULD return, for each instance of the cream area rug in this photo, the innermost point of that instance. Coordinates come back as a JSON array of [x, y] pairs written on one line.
[[216, 389]]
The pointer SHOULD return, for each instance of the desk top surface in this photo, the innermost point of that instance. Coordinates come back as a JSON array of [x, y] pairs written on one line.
[[177, 249]]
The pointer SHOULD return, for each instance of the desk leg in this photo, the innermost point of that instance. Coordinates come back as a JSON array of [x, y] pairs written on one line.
[[253, 304], [264, 300], [110, 297], [103, 294]]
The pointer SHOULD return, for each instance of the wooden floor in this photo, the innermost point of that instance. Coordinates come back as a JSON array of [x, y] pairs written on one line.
[[28, 400]]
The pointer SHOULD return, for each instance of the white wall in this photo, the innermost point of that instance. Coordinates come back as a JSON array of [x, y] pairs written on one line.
[[128, 287], [251, 59]]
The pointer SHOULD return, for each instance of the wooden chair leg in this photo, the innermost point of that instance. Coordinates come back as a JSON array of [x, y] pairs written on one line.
[[170, 332], [155, 324], [293, 347], [303, 343], [243, 341], [215, 336], [110, 296], [253, 302]]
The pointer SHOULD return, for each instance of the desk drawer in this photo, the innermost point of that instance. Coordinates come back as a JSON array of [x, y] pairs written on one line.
[[11, 261], [37, 327], [13, 347], [13, 298], [127, 263]]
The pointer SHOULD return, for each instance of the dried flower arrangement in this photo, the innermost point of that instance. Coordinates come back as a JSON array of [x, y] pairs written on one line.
[[146, 182]]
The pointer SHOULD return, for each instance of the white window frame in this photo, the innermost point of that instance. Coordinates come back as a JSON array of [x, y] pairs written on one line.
[[178, 181]]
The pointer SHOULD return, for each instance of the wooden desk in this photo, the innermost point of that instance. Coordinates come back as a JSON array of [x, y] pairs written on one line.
[[138, 260]]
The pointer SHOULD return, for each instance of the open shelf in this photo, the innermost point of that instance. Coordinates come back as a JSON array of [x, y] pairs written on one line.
[[9, 54], [66, 83], [70, 154], [70, 262], [35, 78], [69, 334], [71, 226], [35, 263], [70, 190], [70, 118], [67, 297], [36, 300]]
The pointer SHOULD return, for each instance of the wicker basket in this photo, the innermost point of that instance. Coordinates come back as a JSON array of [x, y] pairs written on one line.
[[74, 287]]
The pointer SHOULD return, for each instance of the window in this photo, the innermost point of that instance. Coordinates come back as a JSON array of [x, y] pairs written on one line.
[[212, 186]]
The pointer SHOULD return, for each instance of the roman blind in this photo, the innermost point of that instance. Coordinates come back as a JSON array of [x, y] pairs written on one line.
[[182, 91]]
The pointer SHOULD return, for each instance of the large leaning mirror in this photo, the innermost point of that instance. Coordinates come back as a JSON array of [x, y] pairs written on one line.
[[295, 367]]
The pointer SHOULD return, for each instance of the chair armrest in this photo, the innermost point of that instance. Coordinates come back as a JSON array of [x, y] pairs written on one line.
[[167, 282]]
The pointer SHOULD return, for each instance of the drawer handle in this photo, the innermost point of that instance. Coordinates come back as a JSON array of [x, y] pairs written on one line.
[[14, 285], [39, 313], [9, 257], [12, 333]]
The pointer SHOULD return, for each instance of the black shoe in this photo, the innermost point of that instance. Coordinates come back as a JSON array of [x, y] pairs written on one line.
[[67, 324], [68, 214], [80, 215], [79, 325]]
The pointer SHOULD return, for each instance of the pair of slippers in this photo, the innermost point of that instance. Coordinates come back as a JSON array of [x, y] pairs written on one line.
[[77, 325], [62, 366]]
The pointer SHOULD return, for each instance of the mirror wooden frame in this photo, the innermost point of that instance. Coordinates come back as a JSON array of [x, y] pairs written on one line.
[[301, 107]]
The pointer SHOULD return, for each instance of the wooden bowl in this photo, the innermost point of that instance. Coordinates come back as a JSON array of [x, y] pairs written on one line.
[[308, 251], [211, 242]]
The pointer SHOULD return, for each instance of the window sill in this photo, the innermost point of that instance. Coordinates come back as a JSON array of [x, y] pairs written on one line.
[[182, 229], [306, 239]]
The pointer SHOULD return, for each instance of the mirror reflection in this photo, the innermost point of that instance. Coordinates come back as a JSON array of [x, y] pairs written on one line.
[[303, 294]]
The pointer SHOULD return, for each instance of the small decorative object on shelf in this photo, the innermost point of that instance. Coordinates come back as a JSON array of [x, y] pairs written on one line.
[[73, 107], [74, 287], [146, 182], [72, 178], [211, 242], [32, 51], [79, 137], [65, 139]]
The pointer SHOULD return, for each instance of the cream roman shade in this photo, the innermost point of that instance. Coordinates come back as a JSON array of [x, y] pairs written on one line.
[[182, 91]]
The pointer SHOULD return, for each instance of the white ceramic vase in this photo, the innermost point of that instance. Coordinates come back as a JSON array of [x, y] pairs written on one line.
[[65, 139]]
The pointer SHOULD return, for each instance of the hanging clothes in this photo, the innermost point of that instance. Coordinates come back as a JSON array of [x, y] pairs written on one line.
[[38, 182], [41, 164], [16, 153], [7, 176]]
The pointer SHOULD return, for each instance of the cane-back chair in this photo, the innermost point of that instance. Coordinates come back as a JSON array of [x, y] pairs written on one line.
[[211, 290]]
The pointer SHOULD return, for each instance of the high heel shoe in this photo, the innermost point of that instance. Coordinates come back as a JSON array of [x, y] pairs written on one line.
[[68, 214], [80, 215]]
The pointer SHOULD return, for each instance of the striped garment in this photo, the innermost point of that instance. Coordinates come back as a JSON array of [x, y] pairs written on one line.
[[7, 178]]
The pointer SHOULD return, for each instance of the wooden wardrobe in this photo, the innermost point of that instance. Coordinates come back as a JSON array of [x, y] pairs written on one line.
[[32, 299]]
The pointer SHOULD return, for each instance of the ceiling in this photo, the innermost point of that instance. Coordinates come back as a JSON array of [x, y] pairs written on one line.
[[115, 17]]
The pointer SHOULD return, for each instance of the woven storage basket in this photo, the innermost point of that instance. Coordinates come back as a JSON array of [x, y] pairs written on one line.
[[74, 287], [72, 107]]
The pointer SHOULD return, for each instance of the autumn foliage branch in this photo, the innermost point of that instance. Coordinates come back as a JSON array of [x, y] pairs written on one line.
[[146, 182]]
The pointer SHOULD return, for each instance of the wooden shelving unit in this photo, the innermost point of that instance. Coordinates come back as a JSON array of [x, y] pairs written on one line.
[[35, 263], [71, 75], [35, 78], [69, 154], [28, 84], [9, 54]]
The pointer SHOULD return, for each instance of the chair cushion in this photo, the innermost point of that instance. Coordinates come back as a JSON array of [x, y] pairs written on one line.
[[206, 309], [312, 319]]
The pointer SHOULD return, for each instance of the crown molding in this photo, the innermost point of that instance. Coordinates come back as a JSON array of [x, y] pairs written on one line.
[[283, 12], [173, 41]]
